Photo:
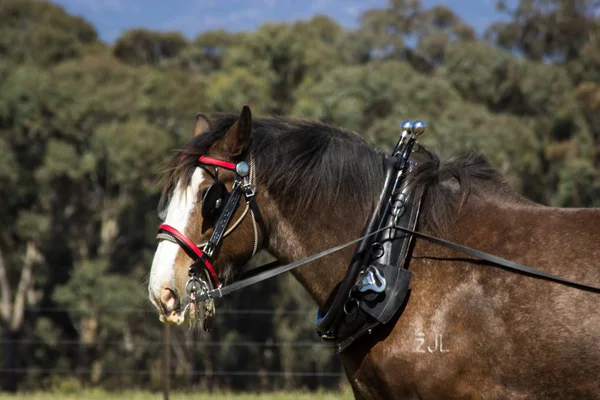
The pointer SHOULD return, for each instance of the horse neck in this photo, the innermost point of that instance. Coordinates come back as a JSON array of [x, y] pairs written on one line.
[[294, 236]]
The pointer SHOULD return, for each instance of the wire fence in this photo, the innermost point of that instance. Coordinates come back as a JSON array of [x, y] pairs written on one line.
[[194, 373], [170, 345], [149, 310], [243, 343]]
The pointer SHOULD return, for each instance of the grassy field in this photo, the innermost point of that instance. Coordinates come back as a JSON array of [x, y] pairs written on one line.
[[139, 395]]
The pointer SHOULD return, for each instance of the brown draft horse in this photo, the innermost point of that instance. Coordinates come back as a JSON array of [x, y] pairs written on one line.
[[469, 330]]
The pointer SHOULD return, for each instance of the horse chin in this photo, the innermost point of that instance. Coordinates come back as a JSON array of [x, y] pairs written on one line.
[[173, 319], [188, 315]]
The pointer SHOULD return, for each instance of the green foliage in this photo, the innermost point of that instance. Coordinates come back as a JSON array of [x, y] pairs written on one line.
[[144, 47], [165, 98], [130, 148], [508, 141], [358, 97], [60, 159], [94, 394], [25, 90], [481, 73], [92, 289], [8, 165], [89, 92], [30, 225], [209, 50], [579, 185], [237, 86], [546, 88], [85, 128], [555, 29], [286, 56], [64, 386], [41, 33]]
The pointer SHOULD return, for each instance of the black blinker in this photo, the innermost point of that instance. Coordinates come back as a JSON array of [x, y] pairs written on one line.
[[213, 201]]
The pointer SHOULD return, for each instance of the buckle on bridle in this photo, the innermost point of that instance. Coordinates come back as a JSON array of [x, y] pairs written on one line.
[[208, 249], [247, 188]]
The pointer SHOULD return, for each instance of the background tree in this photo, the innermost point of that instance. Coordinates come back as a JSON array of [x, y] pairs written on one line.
[[144, 47]]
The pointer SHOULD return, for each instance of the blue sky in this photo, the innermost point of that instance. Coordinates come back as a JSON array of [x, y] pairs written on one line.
[[112, 17]]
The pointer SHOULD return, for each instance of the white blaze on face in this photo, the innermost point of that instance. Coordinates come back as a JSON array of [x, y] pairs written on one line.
[[180, 208]]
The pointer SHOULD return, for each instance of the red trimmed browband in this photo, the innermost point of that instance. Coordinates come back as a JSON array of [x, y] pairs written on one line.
[[216, 162], [192, 246]]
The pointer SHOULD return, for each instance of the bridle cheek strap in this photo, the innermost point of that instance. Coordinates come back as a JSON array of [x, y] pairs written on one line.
[[224, 219], [193, 251]]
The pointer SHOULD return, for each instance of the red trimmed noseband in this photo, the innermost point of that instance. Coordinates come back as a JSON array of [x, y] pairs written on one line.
[[192, 250]]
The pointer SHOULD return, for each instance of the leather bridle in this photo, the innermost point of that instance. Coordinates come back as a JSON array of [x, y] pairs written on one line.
[[202, 275]]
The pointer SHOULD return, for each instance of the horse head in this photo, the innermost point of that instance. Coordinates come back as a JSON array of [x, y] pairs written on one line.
[[209, 225]]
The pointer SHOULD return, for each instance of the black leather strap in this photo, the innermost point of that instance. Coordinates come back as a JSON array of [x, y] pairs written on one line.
[[223, 221], [501, 261], [269, 273], [220, 292], [361, 253]]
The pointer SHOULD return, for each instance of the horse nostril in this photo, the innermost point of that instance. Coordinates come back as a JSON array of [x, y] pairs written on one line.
[[169, 300]]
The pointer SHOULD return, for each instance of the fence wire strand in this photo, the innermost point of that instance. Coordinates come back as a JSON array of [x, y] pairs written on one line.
[[197, 343]]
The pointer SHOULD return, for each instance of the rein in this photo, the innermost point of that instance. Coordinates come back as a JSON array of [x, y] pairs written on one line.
[[273, 268], [501, 262]]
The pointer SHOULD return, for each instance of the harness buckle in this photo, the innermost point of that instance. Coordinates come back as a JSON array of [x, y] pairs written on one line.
[[247, 188], [209, 249]]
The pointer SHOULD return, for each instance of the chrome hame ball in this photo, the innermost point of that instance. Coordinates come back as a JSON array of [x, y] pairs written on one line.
[[419, 127]]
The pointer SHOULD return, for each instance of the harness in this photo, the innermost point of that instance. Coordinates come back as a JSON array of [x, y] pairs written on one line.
[[377, 282], [376, 285]]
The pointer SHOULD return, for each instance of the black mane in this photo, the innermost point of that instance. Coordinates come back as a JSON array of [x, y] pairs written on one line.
[[300, 162], [304, 163], [448, 184]]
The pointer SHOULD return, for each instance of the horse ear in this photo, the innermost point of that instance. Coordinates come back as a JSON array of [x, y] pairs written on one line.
[[237, 138], [202, 124]]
